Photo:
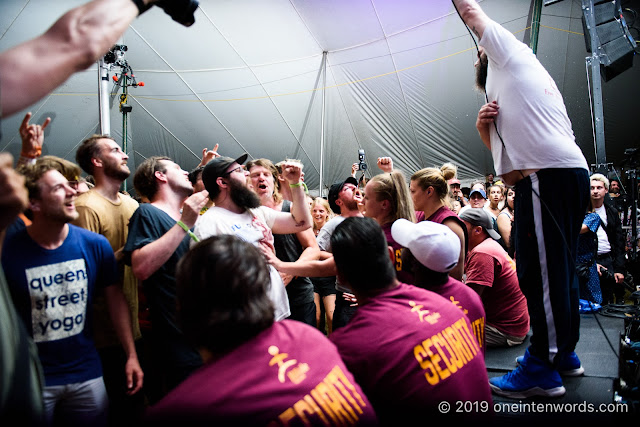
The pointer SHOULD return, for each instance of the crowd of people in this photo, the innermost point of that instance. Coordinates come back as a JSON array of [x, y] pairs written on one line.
[[228, 294]]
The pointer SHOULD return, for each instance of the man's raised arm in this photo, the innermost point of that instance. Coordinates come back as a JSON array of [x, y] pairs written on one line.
[[32, 69], [472, 15]]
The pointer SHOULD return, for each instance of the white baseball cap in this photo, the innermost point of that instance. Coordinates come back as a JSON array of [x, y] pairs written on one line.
[[433, 244]]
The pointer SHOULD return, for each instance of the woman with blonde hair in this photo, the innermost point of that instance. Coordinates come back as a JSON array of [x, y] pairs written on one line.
[[324, 288], [386, 199], [505, 221], [430, 194], [320, 213]]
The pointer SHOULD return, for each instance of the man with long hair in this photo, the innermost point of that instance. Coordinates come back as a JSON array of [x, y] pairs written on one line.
[[525, 125]]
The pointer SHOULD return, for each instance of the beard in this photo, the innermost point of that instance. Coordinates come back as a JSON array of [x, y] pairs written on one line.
[[243, 196], [482, 72], [350, 205], [117, 171]]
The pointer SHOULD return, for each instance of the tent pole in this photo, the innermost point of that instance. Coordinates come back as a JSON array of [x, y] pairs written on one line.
[[103, 97], [125, 114], [535, 25], [324, 89]]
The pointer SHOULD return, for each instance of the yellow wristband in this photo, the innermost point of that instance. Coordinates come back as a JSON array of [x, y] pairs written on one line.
[[189, 232], [300, 184]]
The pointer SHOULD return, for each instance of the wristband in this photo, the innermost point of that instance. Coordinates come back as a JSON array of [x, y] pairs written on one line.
[[300, 184], [189, 232], [38, 153], [141, 6]]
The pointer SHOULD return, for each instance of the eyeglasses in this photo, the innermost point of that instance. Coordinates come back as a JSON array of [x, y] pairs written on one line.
[[76, 184], [239, 169]]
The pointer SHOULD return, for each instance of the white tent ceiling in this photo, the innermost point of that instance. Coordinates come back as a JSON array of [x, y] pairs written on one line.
[[250, 76]]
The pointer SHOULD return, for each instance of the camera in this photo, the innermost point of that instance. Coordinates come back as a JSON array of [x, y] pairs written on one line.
[[362, 164], [607, 275], [115, 53]]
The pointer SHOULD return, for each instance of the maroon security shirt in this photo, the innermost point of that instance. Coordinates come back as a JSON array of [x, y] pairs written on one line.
[[411, 349], [289, 374]]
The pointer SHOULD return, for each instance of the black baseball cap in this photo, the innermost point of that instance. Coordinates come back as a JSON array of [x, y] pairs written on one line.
[[334, 191], [218, 167]]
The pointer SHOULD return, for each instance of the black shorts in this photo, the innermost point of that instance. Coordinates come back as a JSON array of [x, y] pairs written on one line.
[[324, 286]]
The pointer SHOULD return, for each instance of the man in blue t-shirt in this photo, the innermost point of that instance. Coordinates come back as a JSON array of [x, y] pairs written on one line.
[[53, 270]]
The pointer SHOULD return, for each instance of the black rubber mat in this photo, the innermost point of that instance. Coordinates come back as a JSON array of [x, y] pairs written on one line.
[[590, 396]]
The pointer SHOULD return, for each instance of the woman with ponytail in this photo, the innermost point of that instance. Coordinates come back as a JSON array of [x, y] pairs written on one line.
[[386, 199], [430, 194]]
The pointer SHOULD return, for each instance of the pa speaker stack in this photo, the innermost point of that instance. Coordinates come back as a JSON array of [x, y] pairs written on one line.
[[604, 23]]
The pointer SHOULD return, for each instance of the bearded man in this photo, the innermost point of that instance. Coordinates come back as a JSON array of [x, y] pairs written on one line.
[[526, 126], [105, 210], [159, 235], [237, 211]]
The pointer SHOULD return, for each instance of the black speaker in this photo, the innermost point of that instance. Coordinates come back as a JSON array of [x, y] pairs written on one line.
[[616, 46]]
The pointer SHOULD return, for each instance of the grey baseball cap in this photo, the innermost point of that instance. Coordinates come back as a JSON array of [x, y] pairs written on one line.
[[478, 216]]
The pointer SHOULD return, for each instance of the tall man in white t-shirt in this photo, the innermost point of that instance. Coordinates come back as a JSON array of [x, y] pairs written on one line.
[[237, 211], [526, 127]]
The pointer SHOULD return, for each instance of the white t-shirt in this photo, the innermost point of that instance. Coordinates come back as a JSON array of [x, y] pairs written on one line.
[[533, 120], [603, 241], [253, 226]]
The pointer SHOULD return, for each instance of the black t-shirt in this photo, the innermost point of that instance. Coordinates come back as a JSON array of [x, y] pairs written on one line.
[[289, 249], [147, 225]]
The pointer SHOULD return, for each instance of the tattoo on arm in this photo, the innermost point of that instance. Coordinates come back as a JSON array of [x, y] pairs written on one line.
[[298, 224]]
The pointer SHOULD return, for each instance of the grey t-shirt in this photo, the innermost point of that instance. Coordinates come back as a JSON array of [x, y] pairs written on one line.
[[324, 242], [324, 236]]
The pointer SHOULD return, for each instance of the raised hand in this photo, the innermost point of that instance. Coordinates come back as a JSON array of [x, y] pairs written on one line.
[[192, 206], [292, 172], [385, 164], [208, 155], [32, 137]]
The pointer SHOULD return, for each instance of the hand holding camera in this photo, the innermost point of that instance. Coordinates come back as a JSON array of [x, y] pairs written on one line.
[[362, 164]]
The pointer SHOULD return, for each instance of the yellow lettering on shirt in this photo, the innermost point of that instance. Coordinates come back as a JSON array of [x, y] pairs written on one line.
[[443, 354], [438, 343], [334, 400], [478, 330], [421, 356], [398, 259]]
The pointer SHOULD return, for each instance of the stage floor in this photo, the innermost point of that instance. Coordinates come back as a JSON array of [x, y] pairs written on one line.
[[590, 396]]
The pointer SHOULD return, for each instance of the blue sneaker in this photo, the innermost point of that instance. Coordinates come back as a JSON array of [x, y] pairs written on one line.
[[532, 377], [569, 365]]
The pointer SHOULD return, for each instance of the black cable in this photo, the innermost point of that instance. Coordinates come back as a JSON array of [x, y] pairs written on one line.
[[605, 336]]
